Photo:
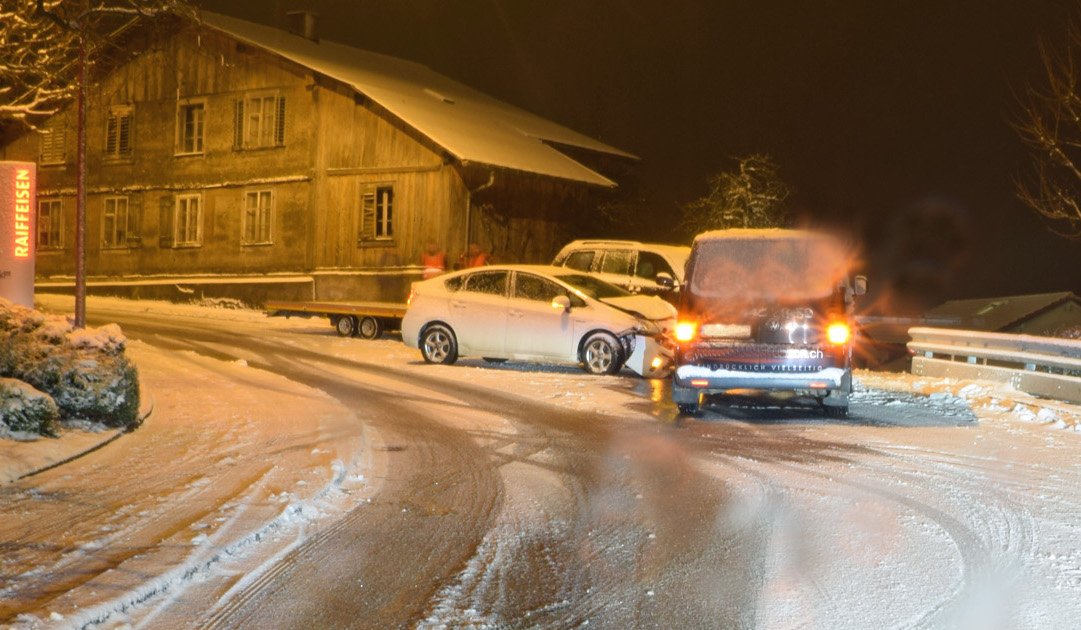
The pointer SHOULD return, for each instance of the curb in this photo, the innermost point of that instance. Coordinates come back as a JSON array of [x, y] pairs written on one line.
[[145, 411]]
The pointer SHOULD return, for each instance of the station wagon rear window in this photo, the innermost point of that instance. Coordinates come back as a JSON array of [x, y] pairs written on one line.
[[580, 260]]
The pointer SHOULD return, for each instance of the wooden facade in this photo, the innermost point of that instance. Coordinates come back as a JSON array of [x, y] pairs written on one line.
[[210, 158]]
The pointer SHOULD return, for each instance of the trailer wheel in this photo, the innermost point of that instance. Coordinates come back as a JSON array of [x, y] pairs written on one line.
[[369, 327], [344, 325]]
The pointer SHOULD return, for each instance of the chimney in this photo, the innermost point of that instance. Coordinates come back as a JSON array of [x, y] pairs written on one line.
[[302, 23]]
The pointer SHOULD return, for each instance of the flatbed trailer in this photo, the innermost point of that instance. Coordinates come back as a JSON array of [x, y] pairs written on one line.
[[366, 320]]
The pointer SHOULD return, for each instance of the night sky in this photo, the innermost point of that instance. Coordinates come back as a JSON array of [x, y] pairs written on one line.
[[887, 117]]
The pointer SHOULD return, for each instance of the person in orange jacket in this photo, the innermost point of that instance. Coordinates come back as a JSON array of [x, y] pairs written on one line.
[[475, 257], [433, 260]]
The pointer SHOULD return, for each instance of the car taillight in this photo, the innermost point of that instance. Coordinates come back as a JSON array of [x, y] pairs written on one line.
[[838, 333], [685, 331], [409, 300]]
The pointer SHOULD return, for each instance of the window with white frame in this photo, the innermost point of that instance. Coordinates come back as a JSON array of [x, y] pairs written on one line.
[[118, 132], [53, 142], [190, 123], [377, 214], [116, 223], [188, 221], [259, 121], [50, 224], [258, 207]]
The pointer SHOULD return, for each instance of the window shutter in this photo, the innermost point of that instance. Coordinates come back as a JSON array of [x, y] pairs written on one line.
[[238, 124], [167, 208], [135, 220], [279, 123], [124, 135], [367, 219], [52, 143], [111, 132]]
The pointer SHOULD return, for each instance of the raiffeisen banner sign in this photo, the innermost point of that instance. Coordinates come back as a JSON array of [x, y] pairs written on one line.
[[18, 190]]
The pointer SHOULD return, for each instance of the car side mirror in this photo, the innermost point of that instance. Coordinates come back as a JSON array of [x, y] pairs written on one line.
[[859, 285], [666, 280], [561, 301]]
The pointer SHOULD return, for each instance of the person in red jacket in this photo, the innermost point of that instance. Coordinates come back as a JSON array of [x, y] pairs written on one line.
[[433, 260]]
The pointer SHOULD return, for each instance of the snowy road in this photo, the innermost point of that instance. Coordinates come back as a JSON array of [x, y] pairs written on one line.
[[476, 496]]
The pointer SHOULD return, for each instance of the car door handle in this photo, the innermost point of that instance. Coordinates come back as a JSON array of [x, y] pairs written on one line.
[[457, 305], [518, 314]]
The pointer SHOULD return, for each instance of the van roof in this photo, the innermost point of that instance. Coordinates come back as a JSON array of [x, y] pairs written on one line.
[[760, 233]]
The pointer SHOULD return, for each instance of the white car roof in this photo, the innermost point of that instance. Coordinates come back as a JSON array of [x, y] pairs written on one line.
[[676, 254], [541, 269]]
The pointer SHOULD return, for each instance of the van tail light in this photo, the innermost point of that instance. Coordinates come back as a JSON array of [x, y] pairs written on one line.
[[686, 331], [838, 333]]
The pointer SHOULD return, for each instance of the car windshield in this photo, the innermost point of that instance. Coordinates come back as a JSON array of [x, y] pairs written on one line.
[[592, 287], [767, 268]]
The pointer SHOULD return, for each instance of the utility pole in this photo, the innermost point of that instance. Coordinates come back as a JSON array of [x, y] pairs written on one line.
[[80, 177]]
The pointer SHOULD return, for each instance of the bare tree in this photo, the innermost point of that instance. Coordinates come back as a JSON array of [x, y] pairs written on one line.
[[39, 49], [750, 196], [1048, 119], [47, 53], [38, 53]]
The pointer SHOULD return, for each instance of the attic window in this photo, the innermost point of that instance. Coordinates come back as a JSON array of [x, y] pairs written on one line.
[[438, 96]]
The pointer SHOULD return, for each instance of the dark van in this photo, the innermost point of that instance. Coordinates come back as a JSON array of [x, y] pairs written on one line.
[[766, 311]]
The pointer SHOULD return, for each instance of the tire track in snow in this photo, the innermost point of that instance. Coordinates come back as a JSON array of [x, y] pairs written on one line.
[[781, 462]]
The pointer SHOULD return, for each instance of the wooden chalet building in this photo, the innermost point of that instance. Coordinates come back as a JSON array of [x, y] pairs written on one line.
[[235, 159]]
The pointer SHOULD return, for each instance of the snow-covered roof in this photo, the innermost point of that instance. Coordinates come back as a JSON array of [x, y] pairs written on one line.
[[998, 314], [468, 124]]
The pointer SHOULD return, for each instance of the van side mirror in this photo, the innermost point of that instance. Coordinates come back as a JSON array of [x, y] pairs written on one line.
[[561, 301], [859, 285], [666, 280]]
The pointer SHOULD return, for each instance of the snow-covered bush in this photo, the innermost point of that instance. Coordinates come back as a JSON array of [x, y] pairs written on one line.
[[23, 408], [220, 302], [84, 371]]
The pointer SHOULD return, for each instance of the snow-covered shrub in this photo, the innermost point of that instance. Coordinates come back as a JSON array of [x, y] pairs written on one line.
[[84, 371], [23, 408], [220, 302]]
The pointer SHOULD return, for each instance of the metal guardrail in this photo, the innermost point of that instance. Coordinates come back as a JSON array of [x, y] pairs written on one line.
[[1043, 366]]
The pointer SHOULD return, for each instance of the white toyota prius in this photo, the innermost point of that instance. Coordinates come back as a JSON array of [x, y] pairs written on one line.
[[539, 313]]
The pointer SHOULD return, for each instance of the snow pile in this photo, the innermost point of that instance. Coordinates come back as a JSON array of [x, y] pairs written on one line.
[[982, 397], [85, 373]]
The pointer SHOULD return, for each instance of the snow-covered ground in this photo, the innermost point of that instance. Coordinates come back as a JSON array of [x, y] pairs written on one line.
[[213, 415], [563, 385]]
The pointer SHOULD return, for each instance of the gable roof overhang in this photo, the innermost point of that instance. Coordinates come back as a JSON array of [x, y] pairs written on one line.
[[471, 126]]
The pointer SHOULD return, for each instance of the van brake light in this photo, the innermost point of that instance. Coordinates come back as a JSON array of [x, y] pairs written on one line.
[[838, 333]]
